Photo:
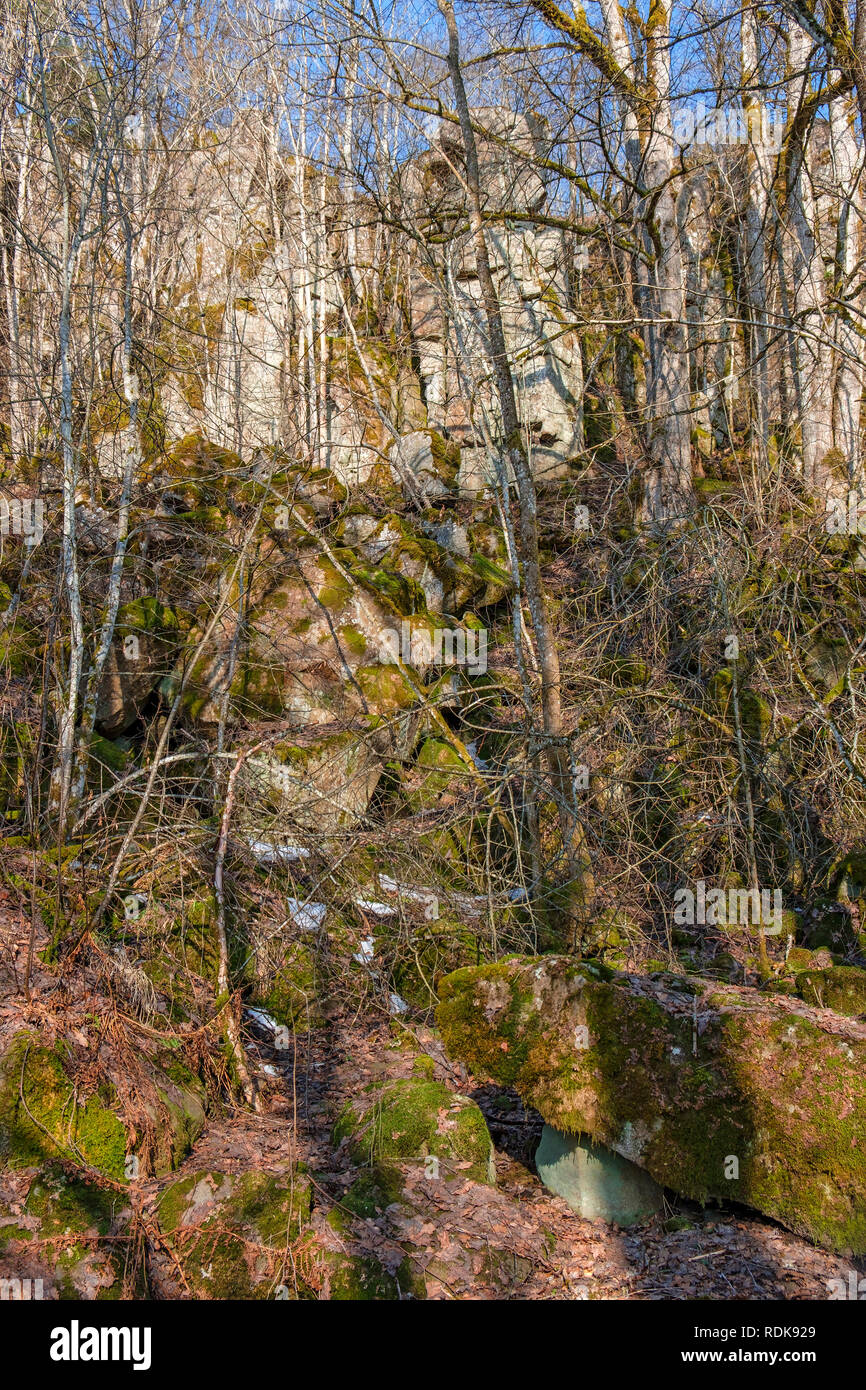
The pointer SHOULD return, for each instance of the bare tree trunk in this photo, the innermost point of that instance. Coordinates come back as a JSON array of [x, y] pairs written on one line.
[[847, 161], [812, 354], [668, 487], [556, 754], [131, 470], [13, 280], [67, 700], [758, 176]]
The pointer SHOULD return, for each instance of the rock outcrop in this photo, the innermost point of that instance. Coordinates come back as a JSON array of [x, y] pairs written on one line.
[[531, 267], [257, 283]]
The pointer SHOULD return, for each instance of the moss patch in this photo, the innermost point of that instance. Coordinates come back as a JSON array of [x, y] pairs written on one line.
[[417, 1119], [231, 1233], [41, 1118], [841, 988]]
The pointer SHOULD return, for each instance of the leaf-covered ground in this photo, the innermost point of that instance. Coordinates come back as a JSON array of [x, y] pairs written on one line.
[[446, 1237]]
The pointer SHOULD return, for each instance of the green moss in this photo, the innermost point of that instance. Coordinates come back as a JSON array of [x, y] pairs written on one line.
[[40, 1117], [385, 688], [353, 639], [375, 1189], [66, 1204], [766, 1087], [230, 1232], [446, 455], [624, 671], [192, 943], [147, 615], [359, 1278], [437, 947], [293, 996], [334, 591], [107, 754], [403, 595], [93, 1255], [414, 1119], [439, 771], [841, 988], [201, 912]]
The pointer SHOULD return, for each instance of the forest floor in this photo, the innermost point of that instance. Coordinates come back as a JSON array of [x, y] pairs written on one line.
[[464, 1239]]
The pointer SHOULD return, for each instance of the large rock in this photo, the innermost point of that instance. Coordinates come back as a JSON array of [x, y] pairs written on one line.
[[69, 1238], [840, 987], [597, 1183], [424, 465], [47, 1113], [417, 1120], [229, 1232], [321, 784], [530, 266], [715, 1091]]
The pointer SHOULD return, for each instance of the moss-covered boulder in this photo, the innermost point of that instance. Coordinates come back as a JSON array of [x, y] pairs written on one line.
[[800, 959], [436, 947], [417, 1120], [448, 579], [716, 1091], [231, 1233], [79, 1232], [312, 621], [841, 988], [426, 465], [51, 1108], [44, 1116], [322, 784], [439, 778], [351, 1277]]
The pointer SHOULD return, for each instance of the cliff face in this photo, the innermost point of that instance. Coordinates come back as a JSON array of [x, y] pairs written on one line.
[[531, 268], [253, 345]]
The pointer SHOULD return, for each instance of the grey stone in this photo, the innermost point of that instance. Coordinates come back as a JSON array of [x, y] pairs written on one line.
[[596, 1182], [416, 466]]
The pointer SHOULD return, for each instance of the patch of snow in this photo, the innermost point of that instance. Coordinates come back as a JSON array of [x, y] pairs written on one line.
[[263, 1019], [306, 915], [365, 955], [415, 895], [378, 909], [267, 853], [397, 1005]]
